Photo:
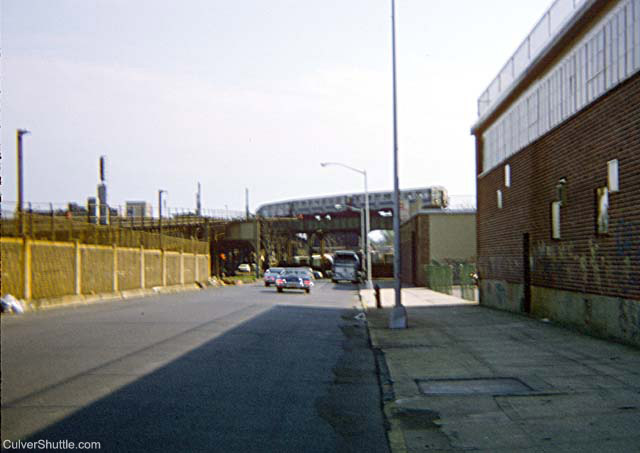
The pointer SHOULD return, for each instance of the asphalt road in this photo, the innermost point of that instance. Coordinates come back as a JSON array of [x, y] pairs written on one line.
[[234, 369]]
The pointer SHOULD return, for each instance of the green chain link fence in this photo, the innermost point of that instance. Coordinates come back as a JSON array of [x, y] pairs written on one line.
[[439, 278], [443, 277]]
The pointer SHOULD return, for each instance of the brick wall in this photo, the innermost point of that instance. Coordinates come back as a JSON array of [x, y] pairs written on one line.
[[578, 150], [414, 255]]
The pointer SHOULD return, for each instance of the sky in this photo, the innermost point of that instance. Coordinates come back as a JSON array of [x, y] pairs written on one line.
[[245, 94]]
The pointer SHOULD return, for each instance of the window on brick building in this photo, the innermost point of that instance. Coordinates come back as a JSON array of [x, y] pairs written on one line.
[[507, 175], [602, 218], [612, 176], [555, 219], [499, 198]]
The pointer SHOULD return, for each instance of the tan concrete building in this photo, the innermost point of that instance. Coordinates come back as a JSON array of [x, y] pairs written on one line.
[[443, 236]]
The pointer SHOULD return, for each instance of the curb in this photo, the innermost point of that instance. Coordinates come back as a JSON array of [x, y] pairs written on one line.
[[394, 432], [83, 300]]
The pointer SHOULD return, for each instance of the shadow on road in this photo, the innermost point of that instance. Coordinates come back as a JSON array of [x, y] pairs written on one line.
[[274, 383]]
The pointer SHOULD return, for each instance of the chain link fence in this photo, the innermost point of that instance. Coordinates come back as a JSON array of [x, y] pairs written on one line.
[[57, 252], [63, 228], [455, 278]]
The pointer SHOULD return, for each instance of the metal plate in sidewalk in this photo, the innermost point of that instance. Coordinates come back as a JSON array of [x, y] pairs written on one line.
[[473, 386]]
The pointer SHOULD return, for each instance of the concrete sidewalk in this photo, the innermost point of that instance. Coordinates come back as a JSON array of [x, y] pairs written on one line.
[[468, 378]]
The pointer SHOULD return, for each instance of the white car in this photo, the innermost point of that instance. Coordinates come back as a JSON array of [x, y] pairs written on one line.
[[244, 267]]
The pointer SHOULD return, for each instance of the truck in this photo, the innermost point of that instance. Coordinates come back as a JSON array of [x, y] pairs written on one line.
[[346, 267]]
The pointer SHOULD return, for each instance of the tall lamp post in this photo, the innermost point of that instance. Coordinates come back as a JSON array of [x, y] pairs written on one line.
[[19, 134], [398, 318], [160, 192], [367, 215]]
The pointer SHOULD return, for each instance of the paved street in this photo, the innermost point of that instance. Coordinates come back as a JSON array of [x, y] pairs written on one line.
[[234, 369]]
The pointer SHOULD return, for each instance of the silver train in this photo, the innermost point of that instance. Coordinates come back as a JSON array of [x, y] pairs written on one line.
[[430, 197]]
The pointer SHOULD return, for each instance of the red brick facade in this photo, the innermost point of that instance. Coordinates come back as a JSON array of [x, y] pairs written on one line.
[[414, 247], [577, 151]]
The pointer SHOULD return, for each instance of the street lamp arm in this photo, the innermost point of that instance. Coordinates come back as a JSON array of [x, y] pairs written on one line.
[[325, 164]]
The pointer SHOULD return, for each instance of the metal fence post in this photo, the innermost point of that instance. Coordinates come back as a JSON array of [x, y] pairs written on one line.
[[26, 268], [164, 267], [142, 266], [53, 227], [77, 271], [115, 267], [182, 266]]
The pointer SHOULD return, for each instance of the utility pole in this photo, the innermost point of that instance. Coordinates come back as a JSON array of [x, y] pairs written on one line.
[[160, 192], [258, 270], [398, 318], [19, 134]]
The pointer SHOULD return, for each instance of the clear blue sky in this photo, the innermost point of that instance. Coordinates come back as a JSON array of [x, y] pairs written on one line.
[[245, 94]]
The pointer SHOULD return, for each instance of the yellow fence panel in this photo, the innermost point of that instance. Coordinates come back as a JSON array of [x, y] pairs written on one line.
[[203, 268], [153, 269], [97, 270], [128, 269], [11, 260], [173, 268], [189, 268], [52, 269]]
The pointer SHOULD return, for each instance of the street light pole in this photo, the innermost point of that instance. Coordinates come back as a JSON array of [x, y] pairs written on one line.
[[160, 192], [367, 225], [398, 318], [368, 229], [19, 134]]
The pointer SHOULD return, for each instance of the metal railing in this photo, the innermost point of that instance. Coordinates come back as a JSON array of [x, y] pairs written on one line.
[[70, 227]]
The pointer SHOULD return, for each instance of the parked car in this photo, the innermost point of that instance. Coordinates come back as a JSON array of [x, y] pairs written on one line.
[[317, 274], [244, 267], [271, 274], [293, 278]]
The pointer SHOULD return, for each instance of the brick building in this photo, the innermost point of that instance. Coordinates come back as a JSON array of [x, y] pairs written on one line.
[[558, 172]]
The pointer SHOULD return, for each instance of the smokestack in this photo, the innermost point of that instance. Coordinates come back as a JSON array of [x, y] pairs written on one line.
[[199, 202], [102, 169], [103, 206], [246, 193]]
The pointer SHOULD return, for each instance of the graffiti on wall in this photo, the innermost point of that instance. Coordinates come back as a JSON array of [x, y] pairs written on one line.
[[592, 266]]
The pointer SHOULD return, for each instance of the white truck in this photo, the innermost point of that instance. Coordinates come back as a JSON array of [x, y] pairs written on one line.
[[346, 267]]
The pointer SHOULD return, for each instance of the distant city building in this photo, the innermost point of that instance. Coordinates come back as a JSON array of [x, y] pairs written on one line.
[[92, 208], [103, 206], [138, 209], [76, 210], [558, 186]]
